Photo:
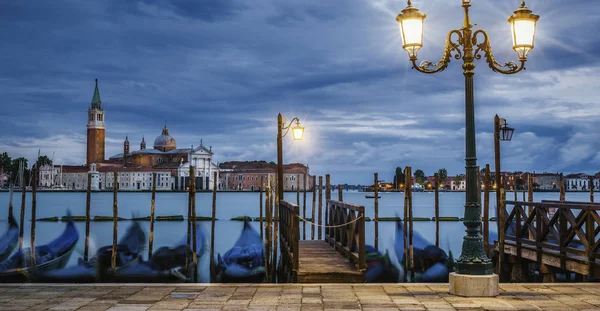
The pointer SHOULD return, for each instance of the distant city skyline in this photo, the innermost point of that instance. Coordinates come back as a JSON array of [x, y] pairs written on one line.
[[221, 70]]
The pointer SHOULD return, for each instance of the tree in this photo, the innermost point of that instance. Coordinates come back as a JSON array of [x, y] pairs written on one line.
[[457, 179], [419, 176], [15, 168], [443, 175], [44, 160], [5, 162], [399, 177]]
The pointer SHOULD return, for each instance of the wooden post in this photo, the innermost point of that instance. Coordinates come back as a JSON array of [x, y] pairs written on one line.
[[214, 218], [189, 226], [340, 193], [562, 188], [304, 209], [515, 189], [275, 234], [376, 208], [152, 209], [591, 188], [33, 212], [10, 202], [113, 261], [314, 199], [327, 198], [267, 232], [320, 235], [87, 218], [194, 237], [486, 209], [501, 209], [437, 209], [407, 182], [298, 190], [529, 188], [410, 232], [260, 200], [23, 198]]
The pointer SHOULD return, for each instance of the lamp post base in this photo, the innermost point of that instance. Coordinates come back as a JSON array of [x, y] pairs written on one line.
[[467, 285]]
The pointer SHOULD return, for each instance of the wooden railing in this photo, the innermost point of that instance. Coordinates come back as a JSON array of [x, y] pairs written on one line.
[[345, 231], [289, 237], [568, 229]]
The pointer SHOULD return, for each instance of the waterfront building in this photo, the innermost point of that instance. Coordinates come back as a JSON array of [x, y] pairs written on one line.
[[246, 176], [581, 182]]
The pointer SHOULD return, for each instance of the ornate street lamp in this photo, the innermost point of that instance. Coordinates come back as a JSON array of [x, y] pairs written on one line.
[[469, 45], [298, 134]]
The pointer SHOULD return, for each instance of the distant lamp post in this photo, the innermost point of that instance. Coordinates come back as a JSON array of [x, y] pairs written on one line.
[[469, 45], [298, 134]]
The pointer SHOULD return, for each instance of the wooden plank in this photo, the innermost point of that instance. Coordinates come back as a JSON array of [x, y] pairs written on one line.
[[320, 263]]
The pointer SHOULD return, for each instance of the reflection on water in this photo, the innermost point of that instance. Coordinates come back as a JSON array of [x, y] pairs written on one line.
[[230, 205]]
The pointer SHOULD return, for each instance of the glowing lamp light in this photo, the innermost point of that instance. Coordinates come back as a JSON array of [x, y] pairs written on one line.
[[522, 24], [298, 132], [411, 29]]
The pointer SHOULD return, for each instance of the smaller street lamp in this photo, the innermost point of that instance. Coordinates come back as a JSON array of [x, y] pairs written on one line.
[[506, 132], [298, 134]]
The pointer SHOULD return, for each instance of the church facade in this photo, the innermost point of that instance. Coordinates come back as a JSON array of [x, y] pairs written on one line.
[[135, 169]]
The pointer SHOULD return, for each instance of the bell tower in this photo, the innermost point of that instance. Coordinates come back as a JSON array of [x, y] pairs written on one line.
[[95, 129]]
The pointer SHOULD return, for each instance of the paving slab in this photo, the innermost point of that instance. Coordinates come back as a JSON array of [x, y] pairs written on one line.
[[133, 297]]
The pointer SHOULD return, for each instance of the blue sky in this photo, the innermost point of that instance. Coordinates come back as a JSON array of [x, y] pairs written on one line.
[[221, 70]]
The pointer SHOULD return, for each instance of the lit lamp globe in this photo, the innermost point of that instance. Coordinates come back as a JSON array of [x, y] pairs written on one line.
[[522, 24], [411, 29], [298, 132]]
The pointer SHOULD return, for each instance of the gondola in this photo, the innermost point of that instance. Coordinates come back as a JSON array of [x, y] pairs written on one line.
[[9, 240], [167, 264], [372, 196], [128, 249], [379, 267], [427, 258], [245, 262], [51, 256]]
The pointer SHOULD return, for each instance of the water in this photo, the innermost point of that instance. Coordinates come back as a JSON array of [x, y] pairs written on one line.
[[234, 204]]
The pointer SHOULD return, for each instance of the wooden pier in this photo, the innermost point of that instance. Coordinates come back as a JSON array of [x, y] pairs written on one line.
[[339, 258], [556, 235]]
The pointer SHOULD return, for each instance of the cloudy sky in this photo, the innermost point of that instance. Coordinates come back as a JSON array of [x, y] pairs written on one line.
[[221, 70]]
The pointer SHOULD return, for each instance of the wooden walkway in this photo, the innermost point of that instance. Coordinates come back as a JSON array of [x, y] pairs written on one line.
[[119, 297], [320, 263], [340, 258]]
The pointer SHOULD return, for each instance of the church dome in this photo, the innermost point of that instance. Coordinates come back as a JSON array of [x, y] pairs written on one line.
[[165, 142]]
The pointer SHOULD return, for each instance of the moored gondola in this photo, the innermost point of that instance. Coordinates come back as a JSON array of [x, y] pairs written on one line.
[[51, 256], [128, 249], [167, 264], [9, 240], [244, 263], [380, 268]]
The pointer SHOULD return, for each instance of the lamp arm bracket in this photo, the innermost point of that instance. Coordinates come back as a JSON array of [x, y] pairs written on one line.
[[450, 47], [486, 47], [287, 128]]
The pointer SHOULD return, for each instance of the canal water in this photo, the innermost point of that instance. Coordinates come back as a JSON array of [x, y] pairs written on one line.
[[233, 204]]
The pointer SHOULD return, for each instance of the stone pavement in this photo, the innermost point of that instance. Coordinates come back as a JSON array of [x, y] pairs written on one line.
[[99, 297]]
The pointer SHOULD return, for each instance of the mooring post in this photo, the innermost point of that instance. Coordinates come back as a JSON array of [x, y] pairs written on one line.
[[87, 217], [298, 190], [562, 188], [275, 236], [213, 220], [268, 234], [113, 260], [304, 208], [152, 209], [327, 199], [10, 201], [436, 180], [194, 235], [340, 193], [33, 212], [320, 208], [486, 209], [260, 202], [189, 224], [501, 210], [591, 182], [410, 232], [23, 199], [407, 182], [376, 208], [314, 200]]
